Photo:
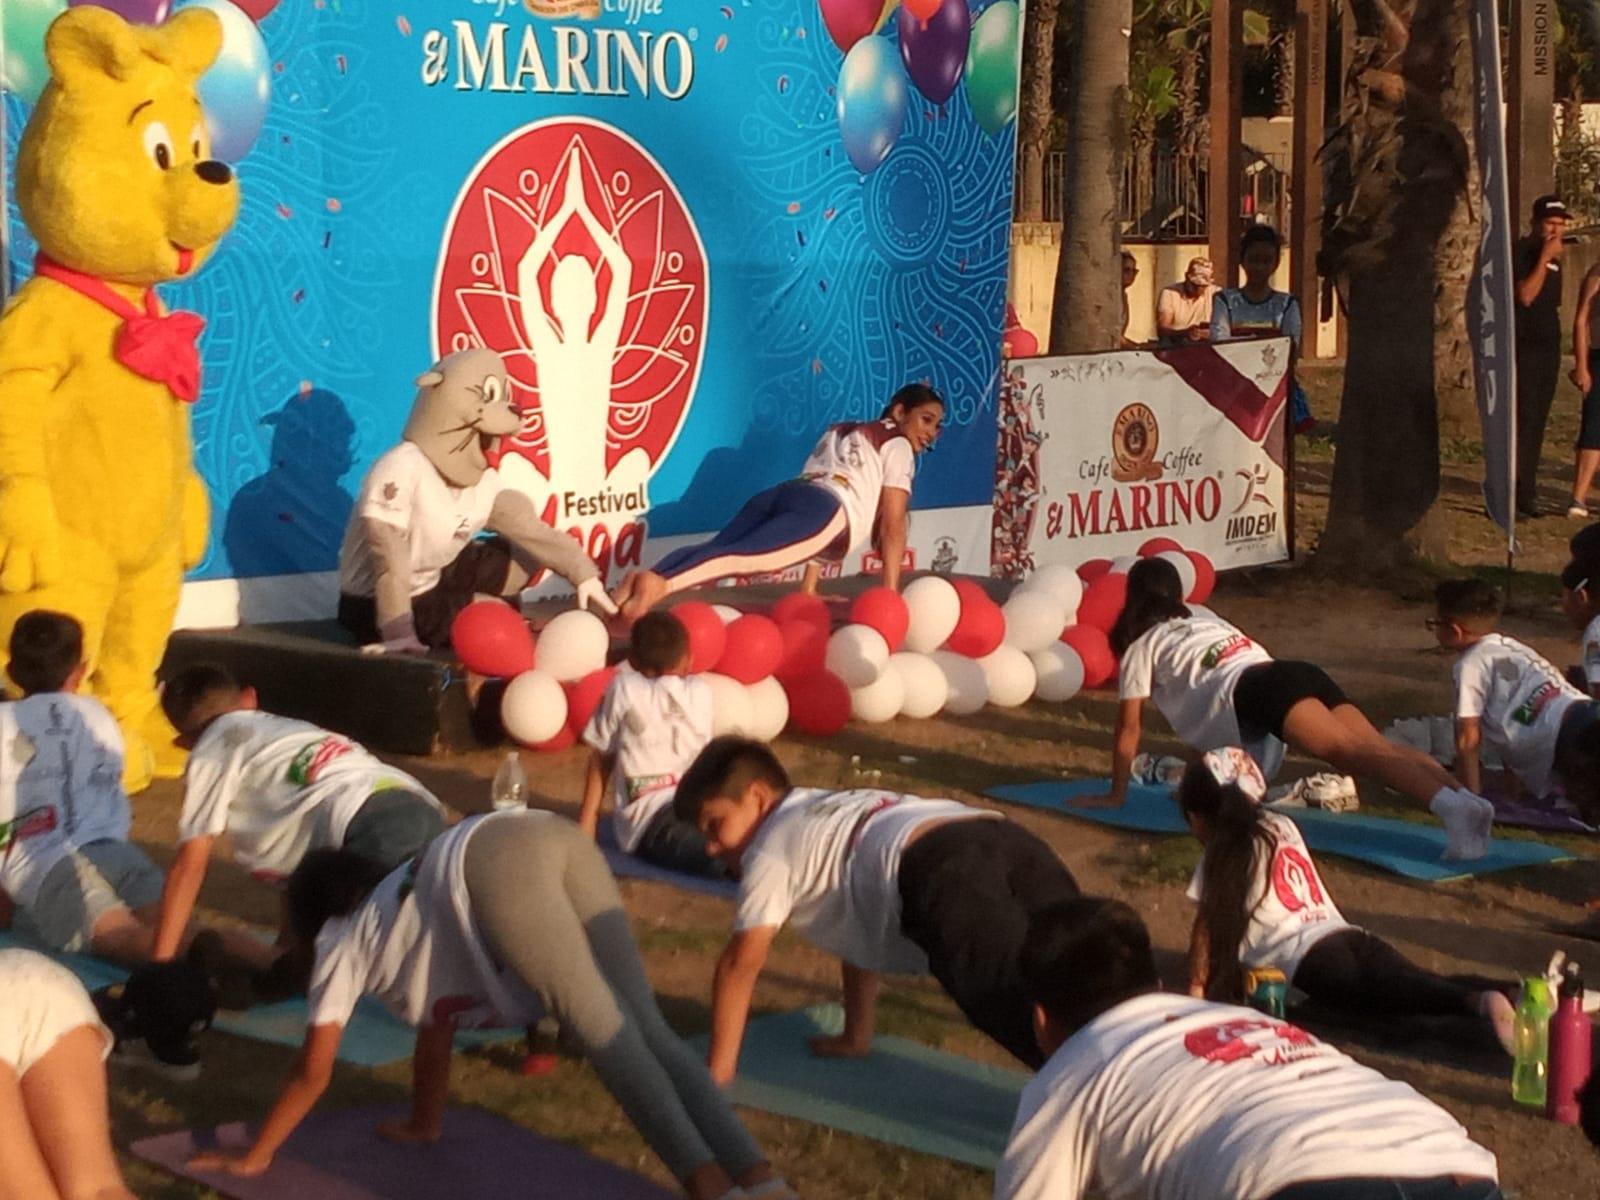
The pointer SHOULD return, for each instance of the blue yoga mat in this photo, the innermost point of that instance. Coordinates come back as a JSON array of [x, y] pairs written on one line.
[[628, 866], [1407, 849], [903, 1093], [372, 1038]]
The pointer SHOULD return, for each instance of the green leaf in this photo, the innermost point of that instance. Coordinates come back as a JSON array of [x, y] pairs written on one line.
[[1257, 28]]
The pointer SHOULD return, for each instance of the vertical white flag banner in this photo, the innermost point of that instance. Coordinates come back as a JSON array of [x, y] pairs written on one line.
[[1491, 303]]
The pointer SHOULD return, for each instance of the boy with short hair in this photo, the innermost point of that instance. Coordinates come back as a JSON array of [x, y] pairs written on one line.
[[278, 787], [1507, 695], [648, 728], [890, 883], [1152, 1096]]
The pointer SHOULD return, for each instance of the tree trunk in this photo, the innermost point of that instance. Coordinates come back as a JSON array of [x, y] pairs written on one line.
[[1087, 312], [1033, 121], [1399, 240]]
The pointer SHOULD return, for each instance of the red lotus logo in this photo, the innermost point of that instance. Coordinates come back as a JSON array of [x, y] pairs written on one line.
[[1250, 1039], [571, 253], [1294, 880]]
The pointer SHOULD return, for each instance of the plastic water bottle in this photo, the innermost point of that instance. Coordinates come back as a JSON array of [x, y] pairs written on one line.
[[1570, 1037], [1532, 1040], [510, 786]]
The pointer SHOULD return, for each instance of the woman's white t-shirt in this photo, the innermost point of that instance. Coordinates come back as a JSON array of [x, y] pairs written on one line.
[[655, 728], [1519, 700], [830, 863], [1290, 909], [279, 787], [856, 461], [414, 945], [40, 1002], [1190, 665], [1171, 1098], [405, 490]]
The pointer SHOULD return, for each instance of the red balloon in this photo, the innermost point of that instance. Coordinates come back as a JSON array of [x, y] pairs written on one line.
[[256, 9], [560, 742], [1092, 569], [708, 637], [849, 21], [883, 609], [1094, 648], [819, 704], [981, 627], [754, 649], [1158, 545], [584, 696], [1205, 577], [1018, 343], [491, 638], [922, 10], [801, 606], [805, 646], [1102, 601]]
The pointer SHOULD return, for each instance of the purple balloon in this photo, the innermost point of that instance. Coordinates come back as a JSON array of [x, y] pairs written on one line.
[[935, 50], [138, 12]]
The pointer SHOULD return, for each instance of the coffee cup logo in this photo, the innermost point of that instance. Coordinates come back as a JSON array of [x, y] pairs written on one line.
[[555, 10], [1135, 437]]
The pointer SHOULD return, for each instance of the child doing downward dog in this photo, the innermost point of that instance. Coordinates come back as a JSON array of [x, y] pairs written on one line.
[[892, 884], [499, 919], [855, 487], [1262, 904], [1218, 688]]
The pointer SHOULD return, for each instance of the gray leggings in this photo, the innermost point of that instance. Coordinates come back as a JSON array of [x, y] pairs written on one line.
[[548, 908]]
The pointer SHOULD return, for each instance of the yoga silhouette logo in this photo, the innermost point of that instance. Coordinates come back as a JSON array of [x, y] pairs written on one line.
[[572, 254]]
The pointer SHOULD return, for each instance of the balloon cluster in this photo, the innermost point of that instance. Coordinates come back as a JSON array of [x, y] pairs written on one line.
[[234, 93], [941, 45]]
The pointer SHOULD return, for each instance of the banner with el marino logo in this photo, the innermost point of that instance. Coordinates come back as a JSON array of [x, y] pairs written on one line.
[[697, 232]]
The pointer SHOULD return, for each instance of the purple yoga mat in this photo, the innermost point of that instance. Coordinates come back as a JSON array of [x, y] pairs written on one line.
[[338, 1155], [1552, 813]]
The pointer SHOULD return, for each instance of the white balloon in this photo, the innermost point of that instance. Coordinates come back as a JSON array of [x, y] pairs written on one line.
[[1060, 673], [935, 608], [925, 685], [1184, 566], [1122, 563], [1010, 676], [727, 612], [572, 645], [1062, 582], [769, 708], [1034, 618], [969, 690], [534, 708], [730, 705], [857, 654], [880, 700]]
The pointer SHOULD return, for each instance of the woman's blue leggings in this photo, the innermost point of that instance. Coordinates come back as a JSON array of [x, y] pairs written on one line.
[[791, 523]]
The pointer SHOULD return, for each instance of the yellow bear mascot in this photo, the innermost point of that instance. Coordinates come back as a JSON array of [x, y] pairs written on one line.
[[101, 510]]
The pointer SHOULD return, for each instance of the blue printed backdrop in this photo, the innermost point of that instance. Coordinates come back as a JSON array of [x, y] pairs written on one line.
[[828, 288]]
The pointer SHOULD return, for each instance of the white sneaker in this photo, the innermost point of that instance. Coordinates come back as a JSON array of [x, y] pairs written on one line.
[[1459, 811], [180, 1064], [1578, 512]]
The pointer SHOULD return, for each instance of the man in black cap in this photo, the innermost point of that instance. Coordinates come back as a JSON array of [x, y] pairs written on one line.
[[1538, 340]]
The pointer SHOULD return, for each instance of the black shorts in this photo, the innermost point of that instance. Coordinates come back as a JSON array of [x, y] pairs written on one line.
[[1265, 693], [482, 568]]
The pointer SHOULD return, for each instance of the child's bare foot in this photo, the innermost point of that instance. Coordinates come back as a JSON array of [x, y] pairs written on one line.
[[639, 593]]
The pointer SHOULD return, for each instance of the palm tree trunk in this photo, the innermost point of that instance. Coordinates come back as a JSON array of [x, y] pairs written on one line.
[[1033, 122], [1087, 310]]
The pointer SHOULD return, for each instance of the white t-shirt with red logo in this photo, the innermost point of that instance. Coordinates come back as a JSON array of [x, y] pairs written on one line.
[[1171, 1098], [405, 490], [1190, 665], [856, 461], [1290, 909], [279, 787], [1519, 700], [1591, 652], [830, 863], [414, 945]]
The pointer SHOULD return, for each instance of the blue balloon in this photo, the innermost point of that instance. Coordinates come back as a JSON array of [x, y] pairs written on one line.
[[872, 102], [236, 90]]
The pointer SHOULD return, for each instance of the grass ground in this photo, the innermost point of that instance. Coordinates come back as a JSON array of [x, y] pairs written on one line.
[[1372, 641]]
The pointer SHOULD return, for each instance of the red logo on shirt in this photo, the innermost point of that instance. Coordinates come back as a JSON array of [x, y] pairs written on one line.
[[1251, 1039], [1294, 880]]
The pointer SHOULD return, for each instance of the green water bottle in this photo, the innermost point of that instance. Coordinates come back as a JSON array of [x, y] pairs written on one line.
[[1532, 1041]]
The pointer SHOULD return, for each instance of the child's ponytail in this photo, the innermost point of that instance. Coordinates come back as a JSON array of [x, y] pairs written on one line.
[[1155, 594]]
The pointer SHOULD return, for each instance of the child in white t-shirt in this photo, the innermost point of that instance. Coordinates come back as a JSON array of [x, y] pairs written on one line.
[[892, 884], [278, 788], [1262, 904], [497, 913], [1217, 687], [1149, 1096], [1580, 602], [1513, 700], [649, 726], [855, 487]]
